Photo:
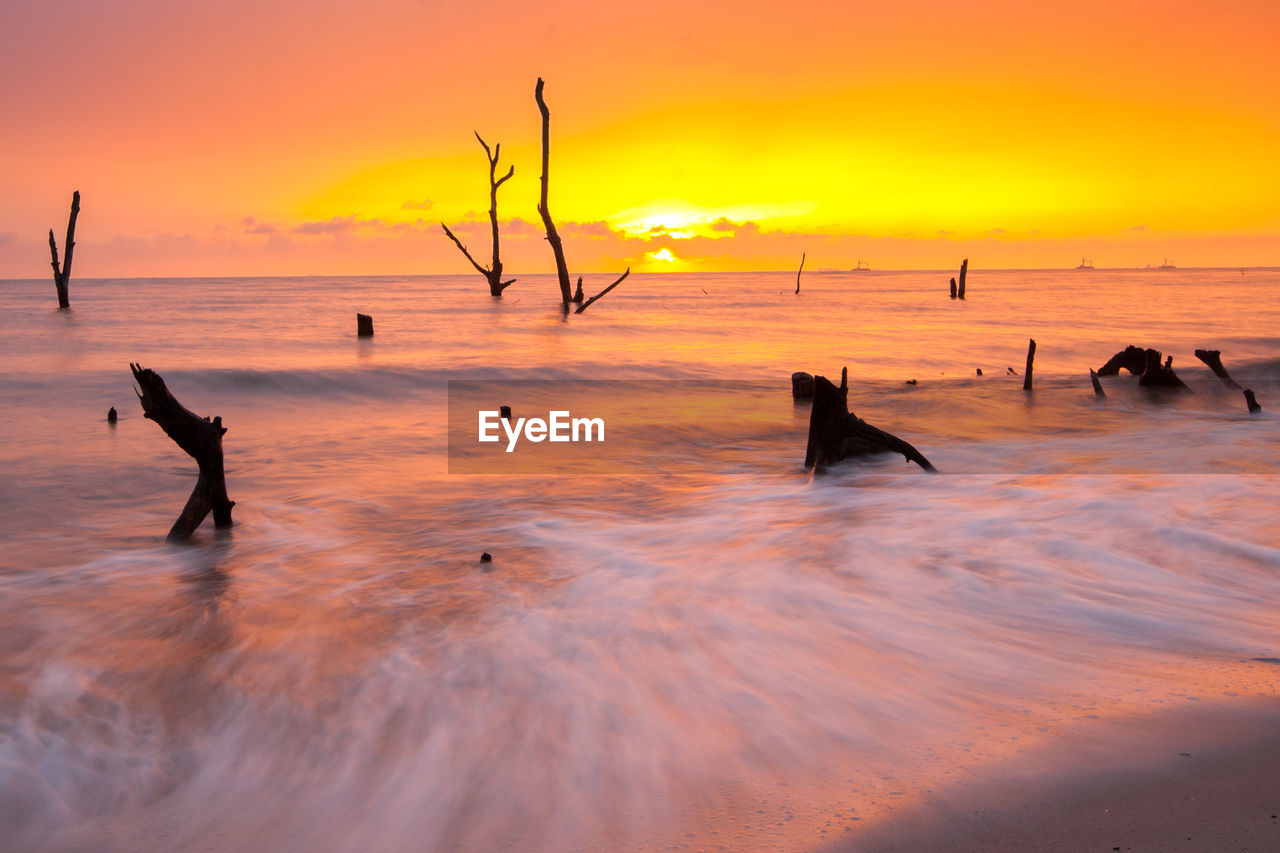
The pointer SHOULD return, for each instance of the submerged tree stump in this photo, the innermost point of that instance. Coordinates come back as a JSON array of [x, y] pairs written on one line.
[[364, 326], [1031, 357], [801, 385], [1131, 358], [1157, 375], [964, 271], [835, 433], [1097, 386], [201, 439], [1251, 402], [953, 287]]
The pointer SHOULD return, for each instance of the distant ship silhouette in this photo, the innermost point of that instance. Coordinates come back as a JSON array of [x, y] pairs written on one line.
[[861, 267], [1166, 265], [1085, 265]]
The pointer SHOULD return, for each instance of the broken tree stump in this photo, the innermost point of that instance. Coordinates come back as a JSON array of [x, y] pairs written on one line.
[[802, 256], [1131, 358], [62, 273], [835, 433], [112, 415], [953, 287], [1156, 375], [1031, 357], [201, 439], [801, 385], [1213, 358], [1251, 402], [1097, 386], [364, 326], [964, 270]]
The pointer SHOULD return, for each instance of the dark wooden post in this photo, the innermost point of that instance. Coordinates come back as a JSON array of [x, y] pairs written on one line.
[[953, 287], [802, 256], [964, 270], [1031, 356], [201, 438], [1097, 385], [364, 326], [62, 273], [493, 273]]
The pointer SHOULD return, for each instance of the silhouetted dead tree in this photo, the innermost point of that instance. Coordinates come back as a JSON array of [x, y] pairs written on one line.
[[201, 438], [964, 271], [557, 247], [62, 273], [835, 433], [492, 273], [802, 255]]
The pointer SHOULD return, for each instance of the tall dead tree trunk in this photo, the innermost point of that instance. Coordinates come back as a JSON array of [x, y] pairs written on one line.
[[62, 273], [557, 248], [964, 271], [802, 256], [492, 273], [201, 438], [1031, 357]]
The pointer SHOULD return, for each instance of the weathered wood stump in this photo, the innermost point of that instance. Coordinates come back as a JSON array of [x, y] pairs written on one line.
[[201, 439], [953, 287], [1131, 358], [1251, 402], [1213, 358], [364, 326], [1156, 375], [504, 412], [1097, 386], [801, 385], [964, 271], [1031, 357], [836, 434], [112, 415]]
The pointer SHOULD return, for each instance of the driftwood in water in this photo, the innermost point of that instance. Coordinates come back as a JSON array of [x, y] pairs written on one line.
[[835, 433], [1213, 358], [364, 326], [1097, 386], [801, 385], [201, 438], [964, 270], [802, 255], [1131, 358], [1157, 375], [1031, 357], [62, 272], [1251, 402], [492, 273], [112, 415], [953, 287], [504, 412]]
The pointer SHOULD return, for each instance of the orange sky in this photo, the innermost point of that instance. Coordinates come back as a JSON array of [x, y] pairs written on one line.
[[290, 137]]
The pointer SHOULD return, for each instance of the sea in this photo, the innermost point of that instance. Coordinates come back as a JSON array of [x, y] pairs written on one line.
[[690, 643]]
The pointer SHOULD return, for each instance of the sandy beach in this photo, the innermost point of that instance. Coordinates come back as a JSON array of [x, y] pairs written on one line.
[[1196, 779]]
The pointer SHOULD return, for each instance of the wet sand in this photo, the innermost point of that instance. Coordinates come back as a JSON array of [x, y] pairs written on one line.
[[1196, 779]]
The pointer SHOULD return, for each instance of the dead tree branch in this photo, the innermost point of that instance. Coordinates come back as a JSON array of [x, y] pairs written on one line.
[[201, 439], [802, 254], [585, 305], [62, 273]]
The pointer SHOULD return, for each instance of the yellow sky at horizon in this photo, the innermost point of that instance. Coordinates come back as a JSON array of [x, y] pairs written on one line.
[[271, 137]]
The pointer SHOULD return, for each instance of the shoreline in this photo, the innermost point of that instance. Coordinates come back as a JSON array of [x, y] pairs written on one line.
[[1194, 779]]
